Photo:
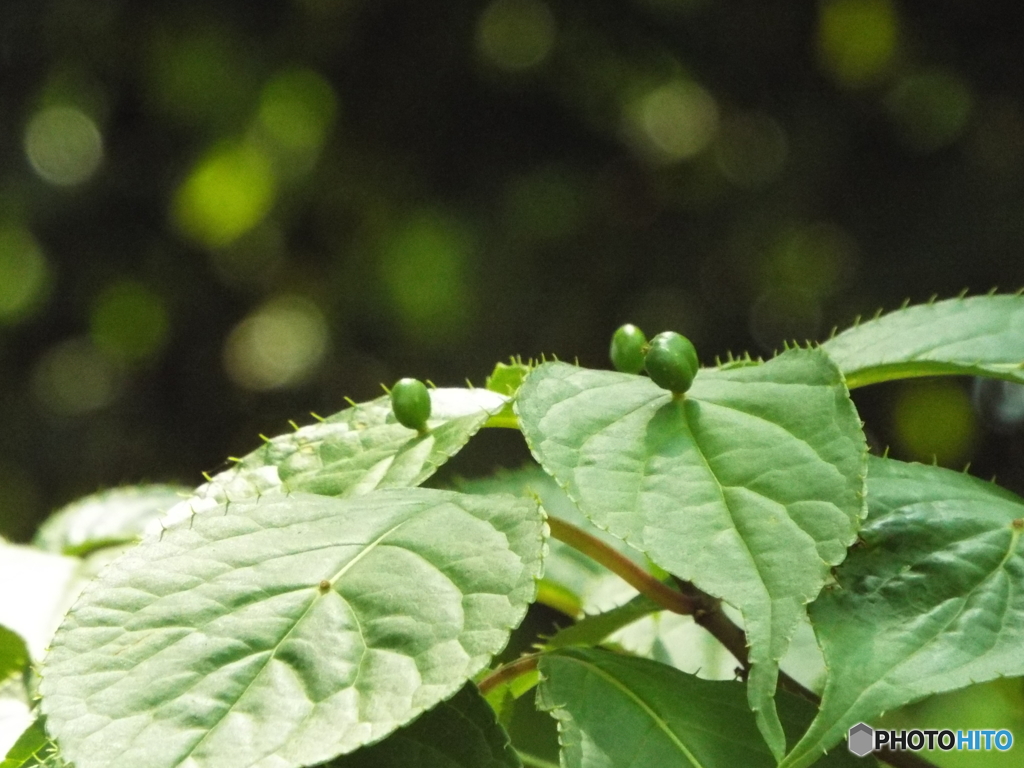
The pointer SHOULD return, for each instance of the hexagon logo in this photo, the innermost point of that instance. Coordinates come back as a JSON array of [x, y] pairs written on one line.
[[861, 739]]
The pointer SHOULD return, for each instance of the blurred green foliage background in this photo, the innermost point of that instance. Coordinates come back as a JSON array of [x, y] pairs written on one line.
[[216, 216]]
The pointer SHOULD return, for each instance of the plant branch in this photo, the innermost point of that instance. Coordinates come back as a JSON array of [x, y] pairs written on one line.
[[715, 621], [622, 566], [688, 600], [708, 614], [508, 672]]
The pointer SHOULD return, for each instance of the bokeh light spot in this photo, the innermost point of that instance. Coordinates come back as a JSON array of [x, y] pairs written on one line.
[[279, 345], [815, 260], [515, 34], [751, 150], [129, 321], [930, 109], [297, 109], [934, 418], [424, 269], [675, 121], [74, 378], [999, 403], [227, 194], [857, 40], [63, 145], [24, 274]]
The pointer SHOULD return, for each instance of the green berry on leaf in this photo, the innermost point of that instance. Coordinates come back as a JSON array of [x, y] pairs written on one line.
[[672, 362], [627, 350], [410, 401]]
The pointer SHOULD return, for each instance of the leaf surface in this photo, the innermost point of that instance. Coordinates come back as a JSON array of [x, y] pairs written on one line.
[[975, 336], [932, 601], [287, 631], [461, 732], [580, 585], [33, 750], [750, 486], [114, 516], [617, 711], [13, 654], [353, 452]]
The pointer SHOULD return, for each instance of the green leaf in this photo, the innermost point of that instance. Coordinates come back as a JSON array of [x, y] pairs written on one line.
[[583, 585], [506, 379], [13, 654], [593, 630], [353, 452], [289, 630], [115, 516], [976, 336], [459, 733], [932, 601], [617, 711], [33, 750], [750, 486]]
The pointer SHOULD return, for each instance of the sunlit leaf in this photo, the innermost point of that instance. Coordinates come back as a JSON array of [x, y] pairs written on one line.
[[976, 336], [289, 630], [13, 653], [932, 601], [350, 453], [750, 486], [618, 711], [580, 584], [114, 516], [33, 749]]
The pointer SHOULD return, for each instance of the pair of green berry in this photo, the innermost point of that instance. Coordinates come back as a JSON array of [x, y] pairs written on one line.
[[670, 359]]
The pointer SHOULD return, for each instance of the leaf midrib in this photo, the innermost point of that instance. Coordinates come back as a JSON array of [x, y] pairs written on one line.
[[965, 598], [273, 652], [658, 721]]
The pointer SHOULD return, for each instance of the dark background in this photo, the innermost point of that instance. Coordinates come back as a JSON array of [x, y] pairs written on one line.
[[218, 216]]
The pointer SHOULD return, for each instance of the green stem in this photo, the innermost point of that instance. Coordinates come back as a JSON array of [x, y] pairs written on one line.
[[619, 564], [532, 761], [689, 600], [593, 630], [508, 672]]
